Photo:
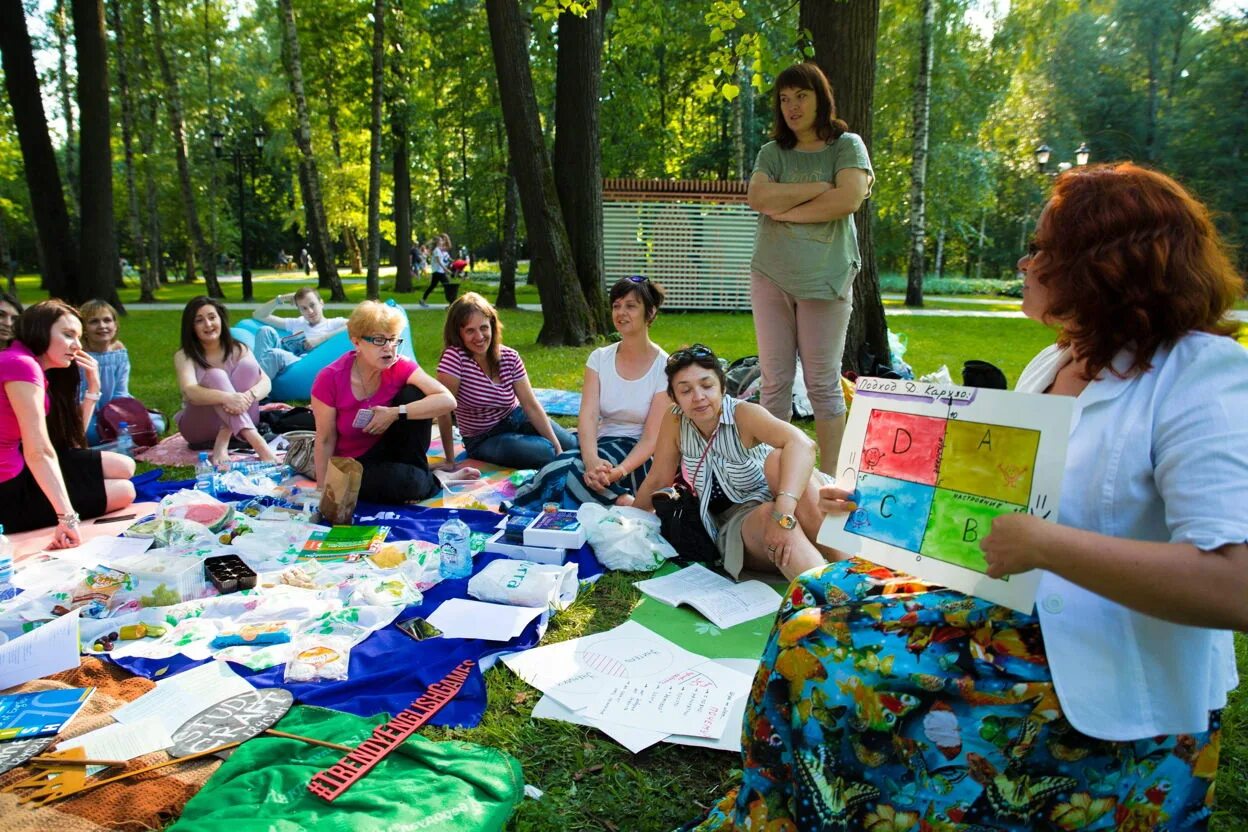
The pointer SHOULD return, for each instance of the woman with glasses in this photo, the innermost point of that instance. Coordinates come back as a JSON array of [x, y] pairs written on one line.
[[752, 473], [221, 383], [885, 703], [622, 404], [806, 186], [377, 407], [498, 414]]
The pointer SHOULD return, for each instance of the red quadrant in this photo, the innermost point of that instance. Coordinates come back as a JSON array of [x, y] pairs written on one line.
[[903, 446]]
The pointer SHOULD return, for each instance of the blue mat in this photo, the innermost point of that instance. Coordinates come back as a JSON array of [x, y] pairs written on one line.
[[558, 402], [388, 669]]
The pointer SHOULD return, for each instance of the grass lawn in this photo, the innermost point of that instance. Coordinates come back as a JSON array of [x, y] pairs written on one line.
[[591, 783]]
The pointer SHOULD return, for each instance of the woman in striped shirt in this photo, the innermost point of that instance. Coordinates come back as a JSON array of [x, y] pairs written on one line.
[[497, 413], [758, 495]]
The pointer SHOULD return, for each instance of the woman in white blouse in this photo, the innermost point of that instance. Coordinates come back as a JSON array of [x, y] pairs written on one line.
[[884, 702], [622, 402]]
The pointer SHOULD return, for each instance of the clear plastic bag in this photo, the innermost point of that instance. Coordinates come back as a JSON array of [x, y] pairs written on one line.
[[319, 658], [624, 538]]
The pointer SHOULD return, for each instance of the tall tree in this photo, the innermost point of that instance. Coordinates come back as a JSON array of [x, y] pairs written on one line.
[[309, 178], [138, 250], [58, 256], [173, 104], [100, 269], [60, 27], [507, 258], [577, 156], [400, 114], [922, 110], [566, 316], [374, 151], [843, 33]]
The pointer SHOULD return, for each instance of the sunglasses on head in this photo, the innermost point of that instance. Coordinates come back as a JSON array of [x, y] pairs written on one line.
[[637, 278], [694, 353]]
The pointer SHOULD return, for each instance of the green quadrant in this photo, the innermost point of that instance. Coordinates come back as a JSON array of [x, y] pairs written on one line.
[[989, 460], [956, 525]]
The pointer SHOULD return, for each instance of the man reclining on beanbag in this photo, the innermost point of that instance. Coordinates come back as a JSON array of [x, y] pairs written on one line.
[[276, 352]]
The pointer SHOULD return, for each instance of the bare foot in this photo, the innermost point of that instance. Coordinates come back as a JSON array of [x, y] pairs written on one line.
[[467, 473], [624, 500]]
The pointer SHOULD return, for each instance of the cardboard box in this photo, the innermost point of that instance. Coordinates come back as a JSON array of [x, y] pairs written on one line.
[[539, 554], [555, 529]]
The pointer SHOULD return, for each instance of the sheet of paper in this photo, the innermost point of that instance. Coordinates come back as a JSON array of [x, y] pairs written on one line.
[[698, 710], [103, 550], [41, 573], [724, 602], [682, 584], [461, 618], [48, 649], [120, 741], [179, 698]]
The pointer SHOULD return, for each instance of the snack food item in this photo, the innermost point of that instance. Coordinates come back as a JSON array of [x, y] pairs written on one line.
[[319, 658], [252, 635]]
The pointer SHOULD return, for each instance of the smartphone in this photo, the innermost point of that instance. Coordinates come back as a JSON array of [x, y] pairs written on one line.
[[419, 629], [362, 418], [118, 519]]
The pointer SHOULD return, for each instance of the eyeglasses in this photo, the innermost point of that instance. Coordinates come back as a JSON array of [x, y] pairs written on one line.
[[693, 353], [381, 341]]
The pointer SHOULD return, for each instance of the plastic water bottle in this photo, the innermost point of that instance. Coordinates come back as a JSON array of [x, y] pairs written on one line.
[[454, 549], [204, 475], [7, 590], [125, 442]]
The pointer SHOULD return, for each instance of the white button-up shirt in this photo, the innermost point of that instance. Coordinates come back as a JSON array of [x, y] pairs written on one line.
[[1159, 456]]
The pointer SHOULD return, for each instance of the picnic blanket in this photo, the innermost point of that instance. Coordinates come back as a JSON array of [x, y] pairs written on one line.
[[558, 402], [439, 785], [173, 450], [141, 804]]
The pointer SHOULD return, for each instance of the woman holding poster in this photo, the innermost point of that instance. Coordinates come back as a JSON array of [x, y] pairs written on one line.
[[885, 703]]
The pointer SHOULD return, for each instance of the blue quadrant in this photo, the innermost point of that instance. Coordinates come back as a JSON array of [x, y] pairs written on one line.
[[891, 511]]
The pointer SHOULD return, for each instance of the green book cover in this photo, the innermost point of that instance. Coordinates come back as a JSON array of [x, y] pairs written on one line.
[[345, 542]]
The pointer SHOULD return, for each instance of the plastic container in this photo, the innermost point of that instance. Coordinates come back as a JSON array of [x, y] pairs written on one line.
[[125, 442], [205, 480], [228, 573], [454, 549], [7, 590]]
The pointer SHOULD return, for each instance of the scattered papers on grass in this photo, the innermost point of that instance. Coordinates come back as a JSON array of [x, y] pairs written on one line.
[[41, 652], [120, 741], [460, 618], [724, 602], [103, 550], [695, 703], [182, 697]]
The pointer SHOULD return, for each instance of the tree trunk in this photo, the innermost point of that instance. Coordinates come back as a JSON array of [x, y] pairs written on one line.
[[137, 245], [578, 154], [402, 208], [565, 315], [322, 246], [373, 281], [60, 25], [173, 104], [940, 251], [98, 262], [507, 257], [58, 255], [921, 130], [843, 33], [353, 250]]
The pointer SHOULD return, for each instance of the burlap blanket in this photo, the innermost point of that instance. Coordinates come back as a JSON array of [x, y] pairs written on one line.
[[147, 802]]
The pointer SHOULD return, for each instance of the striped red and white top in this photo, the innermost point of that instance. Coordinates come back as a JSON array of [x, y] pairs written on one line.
[[483, 402]]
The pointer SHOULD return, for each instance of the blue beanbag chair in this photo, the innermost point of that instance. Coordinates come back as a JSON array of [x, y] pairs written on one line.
[[295, 382]]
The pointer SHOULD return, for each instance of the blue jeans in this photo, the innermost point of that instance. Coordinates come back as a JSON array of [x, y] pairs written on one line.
[[515, 443]]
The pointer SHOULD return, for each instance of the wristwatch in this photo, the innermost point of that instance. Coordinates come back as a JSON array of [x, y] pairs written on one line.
[[402, 413], [784, 521]]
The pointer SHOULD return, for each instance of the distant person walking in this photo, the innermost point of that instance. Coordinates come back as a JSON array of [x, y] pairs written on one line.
[[441, 264], [806, 186]]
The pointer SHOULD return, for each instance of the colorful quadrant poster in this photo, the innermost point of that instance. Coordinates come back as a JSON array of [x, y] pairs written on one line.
[[933, 465]]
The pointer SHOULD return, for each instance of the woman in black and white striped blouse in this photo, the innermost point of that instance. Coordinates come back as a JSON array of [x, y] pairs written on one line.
[[753, 474]]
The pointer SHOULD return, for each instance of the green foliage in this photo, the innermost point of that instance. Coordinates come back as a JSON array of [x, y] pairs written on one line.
[[955, 286]]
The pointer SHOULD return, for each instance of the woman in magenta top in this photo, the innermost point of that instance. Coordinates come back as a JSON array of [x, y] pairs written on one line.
[[377, 407], [497, 412], [47, 474]]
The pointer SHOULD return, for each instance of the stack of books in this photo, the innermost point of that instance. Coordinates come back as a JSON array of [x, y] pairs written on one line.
[[542, 539]]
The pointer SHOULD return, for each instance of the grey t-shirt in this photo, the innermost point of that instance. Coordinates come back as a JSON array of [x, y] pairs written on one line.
[[814, 260]]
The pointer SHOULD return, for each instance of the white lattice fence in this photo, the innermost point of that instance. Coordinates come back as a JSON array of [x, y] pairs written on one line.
[[698, 250]]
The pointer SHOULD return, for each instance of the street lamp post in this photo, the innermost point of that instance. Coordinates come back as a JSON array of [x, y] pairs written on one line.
[[239, 155], [1043, 153]]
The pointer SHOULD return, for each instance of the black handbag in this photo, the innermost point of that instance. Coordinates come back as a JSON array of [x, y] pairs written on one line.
[[680, 520]]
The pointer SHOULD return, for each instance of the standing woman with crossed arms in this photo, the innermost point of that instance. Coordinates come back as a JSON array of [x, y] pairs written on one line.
[[806, 186]]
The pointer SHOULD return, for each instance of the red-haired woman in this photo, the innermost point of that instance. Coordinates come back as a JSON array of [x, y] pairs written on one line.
[[885, 703], [806, 186], [47, 475]]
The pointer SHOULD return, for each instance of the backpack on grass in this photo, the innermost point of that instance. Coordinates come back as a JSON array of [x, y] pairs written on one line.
[[134, 414]]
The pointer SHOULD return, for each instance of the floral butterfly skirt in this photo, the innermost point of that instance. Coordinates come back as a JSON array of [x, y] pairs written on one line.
[[887, 705]]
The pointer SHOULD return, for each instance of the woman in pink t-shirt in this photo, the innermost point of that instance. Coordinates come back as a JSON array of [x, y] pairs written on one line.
[[377, 407], [47, 474], [498, 413]]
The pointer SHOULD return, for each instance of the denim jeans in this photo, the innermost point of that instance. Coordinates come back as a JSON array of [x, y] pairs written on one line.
[[515, 443]]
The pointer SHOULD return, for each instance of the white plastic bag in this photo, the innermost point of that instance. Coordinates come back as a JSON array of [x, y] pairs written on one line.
[[624, 538], [523, 583]]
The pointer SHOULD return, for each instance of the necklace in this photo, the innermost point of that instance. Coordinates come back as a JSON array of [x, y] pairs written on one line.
[[364, 388]]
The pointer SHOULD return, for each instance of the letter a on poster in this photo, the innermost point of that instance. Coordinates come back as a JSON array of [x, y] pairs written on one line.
[[932, 465]]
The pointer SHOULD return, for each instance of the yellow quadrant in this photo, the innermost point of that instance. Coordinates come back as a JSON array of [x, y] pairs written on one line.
[[991, 461]]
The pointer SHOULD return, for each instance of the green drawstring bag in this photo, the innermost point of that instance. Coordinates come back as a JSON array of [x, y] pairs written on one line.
[[419, 785]]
